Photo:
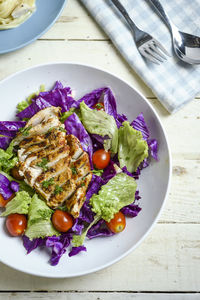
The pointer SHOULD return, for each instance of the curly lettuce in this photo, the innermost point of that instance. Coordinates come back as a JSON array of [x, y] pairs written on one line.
[[8, 158], [39, 220], [118, 192], [132, 148], [19, 204], [99, 122]]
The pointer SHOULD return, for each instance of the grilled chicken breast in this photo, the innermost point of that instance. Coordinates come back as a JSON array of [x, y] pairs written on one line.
[[52, 162]]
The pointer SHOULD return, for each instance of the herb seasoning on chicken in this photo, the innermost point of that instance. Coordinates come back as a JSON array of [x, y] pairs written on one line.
[[52, 162]]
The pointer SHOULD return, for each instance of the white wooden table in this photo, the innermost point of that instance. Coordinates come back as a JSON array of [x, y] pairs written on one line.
[[167, 264]]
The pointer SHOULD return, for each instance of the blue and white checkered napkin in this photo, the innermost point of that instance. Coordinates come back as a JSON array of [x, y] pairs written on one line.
[[175, 83]]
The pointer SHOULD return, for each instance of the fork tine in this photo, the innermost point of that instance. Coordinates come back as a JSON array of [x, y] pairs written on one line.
[[148, 56], [155, 49], [158, 44], [151, 51]]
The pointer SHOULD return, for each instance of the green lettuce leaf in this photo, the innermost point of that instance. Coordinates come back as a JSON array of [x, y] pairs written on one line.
[[99, 122], [19, 204], [22, 105], [8, 158], [98, 172], [68, 113], [117, 193], [39, 220], [132, 148]]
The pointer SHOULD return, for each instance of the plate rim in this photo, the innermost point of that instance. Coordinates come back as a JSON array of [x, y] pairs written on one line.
[[37, 36], [169, 173]]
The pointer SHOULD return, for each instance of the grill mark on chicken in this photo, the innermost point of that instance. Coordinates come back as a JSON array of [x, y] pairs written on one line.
[[67, 190], [60, 180], [76, 201], [54, 163], [53, 158], [75, 146]]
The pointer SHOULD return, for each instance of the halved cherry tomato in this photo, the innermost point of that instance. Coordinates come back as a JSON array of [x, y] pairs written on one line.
[[62, 221], [15, 173], [16, 224], [118, 223], [99, 106], [101, 159], [4, 202]]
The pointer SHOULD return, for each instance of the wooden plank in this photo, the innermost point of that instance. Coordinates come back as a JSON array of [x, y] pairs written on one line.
[[75, 23], [98, 296], [183, 204], [181, 126], [168, 260]]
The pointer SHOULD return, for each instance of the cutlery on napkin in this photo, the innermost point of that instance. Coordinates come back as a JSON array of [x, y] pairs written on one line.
[[175, 83]]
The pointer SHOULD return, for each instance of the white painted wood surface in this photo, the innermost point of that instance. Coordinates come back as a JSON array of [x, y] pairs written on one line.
[[167, 263], [97, 296]]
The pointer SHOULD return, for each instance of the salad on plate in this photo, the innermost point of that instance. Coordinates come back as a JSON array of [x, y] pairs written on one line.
[[69, 169]]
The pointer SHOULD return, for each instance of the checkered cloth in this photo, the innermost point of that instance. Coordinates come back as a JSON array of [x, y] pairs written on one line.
[[174, 83]]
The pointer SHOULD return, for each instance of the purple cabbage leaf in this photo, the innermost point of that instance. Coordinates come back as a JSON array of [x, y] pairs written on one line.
[[74, 126]]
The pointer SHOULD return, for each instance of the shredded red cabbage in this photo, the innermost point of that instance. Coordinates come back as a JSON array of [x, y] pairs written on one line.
[[93, 98], [153, 146], [4, 142], [58, 244], [94, 186], [135, 175], [109, 172], [36, 105], [78, 226], [31, 245], [5, 188], [58, 96], [8, 130], [133, 209], [8, 133], [99, 229], [139, 124], [14, 186], [11, 125], [74, 126], [76, 250]]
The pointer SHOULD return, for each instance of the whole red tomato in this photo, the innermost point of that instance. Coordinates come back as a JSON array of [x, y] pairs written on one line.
[[4, 202], [118, 223], [16, 224], [62, 221], [101, 159]]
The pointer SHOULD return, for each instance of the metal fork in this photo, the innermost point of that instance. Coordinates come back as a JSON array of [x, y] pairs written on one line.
[[146, 44]]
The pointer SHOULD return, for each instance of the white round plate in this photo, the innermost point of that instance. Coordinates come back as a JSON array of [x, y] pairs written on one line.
[[153, 183]]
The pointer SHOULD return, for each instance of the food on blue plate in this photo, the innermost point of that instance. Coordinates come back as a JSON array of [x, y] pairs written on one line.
[[69, 169], [15, 12]]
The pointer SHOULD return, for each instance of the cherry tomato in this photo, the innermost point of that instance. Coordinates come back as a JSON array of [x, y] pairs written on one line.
[[15, 173], [4, 202], [118, 223], [16, 224], [62, 221], [98, 106], [101, 159]]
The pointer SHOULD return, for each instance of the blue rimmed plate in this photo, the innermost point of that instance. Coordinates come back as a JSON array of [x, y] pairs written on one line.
[[43, 18]]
